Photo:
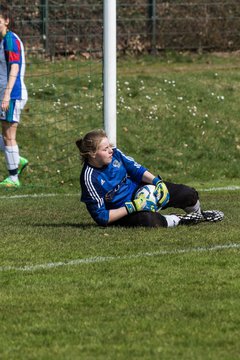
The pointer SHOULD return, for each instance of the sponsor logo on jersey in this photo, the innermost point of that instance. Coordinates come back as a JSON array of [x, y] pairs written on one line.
[[116, 163], [110, 194]]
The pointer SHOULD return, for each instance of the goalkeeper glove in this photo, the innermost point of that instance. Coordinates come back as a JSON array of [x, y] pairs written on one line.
[[140, 204], [161, 192]]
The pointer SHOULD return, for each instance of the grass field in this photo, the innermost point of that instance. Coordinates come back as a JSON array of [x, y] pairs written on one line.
[[72, 290], [178, 115]]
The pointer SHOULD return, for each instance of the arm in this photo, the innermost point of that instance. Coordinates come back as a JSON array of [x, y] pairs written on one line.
[[139, 204], [148, 177], [116, 214], [103, 217], [11, 81]]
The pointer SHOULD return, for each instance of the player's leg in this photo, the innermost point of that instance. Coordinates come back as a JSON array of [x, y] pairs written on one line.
[[155, 219], [142, 218], [11, 151], [23, 162], [187, 198], [9, 145], [183, 197]]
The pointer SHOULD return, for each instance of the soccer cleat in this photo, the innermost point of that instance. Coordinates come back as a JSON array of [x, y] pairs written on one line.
[[191, 219], [213, 215], [22, 164], [9, 183]]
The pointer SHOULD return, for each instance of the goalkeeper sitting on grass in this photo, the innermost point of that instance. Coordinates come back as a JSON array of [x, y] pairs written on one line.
[[110, 179]]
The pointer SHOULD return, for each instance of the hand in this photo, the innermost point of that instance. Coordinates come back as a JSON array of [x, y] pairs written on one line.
[[5, 103], [161, 192], [140, 204]]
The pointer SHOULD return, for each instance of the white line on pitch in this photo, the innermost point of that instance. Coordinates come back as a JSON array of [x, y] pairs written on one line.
[[99, 259], [229, 188], [35, 196]]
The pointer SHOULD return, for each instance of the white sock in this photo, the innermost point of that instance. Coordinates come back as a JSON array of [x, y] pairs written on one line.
[[172, 220], [195, 208], [14, 177], [12, 160], [2, 144]]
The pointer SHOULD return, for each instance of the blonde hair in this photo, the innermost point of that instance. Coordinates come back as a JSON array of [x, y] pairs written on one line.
[[89, 144]]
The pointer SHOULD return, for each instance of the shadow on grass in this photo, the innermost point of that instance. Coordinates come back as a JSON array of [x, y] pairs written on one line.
[[60, 225]]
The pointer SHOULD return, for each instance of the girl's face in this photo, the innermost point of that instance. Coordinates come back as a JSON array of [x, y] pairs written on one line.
[[3, 26], [103, 155]]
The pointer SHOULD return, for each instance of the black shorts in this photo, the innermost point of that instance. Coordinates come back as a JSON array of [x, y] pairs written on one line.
[[181, 197], [142, 218]]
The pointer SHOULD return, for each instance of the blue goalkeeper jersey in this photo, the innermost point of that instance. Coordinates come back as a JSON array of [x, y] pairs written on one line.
[[111, 186]]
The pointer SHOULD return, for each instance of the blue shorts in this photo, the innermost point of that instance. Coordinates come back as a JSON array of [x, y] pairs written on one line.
[[14, 111]]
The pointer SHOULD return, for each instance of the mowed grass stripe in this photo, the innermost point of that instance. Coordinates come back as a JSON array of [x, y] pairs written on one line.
[[99, 259]]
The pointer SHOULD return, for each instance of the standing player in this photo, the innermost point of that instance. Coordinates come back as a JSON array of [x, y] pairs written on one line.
[[110, 179], [13, 97]]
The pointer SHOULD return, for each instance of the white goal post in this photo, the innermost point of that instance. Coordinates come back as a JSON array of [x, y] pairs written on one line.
[[110, 69]]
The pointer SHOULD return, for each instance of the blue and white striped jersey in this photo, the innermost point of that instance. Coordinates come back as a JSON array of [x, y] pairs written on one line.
[[14, 54], [111, 186]]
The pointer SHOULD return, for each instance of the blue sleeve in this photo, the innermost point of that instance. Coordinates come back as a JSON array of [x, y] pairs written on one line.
[[93, 198], [99, 213], [12, 48], [134, 170]]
